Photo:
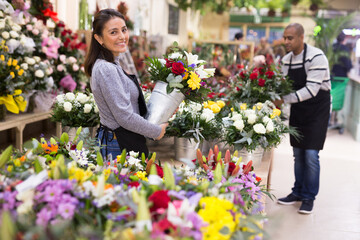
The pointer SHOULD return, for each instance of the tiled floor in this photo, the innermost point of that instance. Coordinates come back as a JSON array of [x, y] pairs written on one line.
[[337, 207]]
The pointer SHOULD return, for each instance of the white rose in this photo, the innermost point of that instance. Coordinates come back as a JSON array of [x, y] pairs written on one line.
[[2, 24], [49, 71], [1, 14], [251, 118], [60, 68], [16, 27], [62, 58], [69, 96], [82, 98], [259, 128], [24, 66], [207, 114], [239, 124], [35, 32], [71, 60], [196, 107], [67, 106], [270, 126], [37, 59], [249, 112], [39, 73], [96, 109], [5, 35], [30, 61], [75, 67], [266, 119], [236, 116], [60, 98], [87, 108]]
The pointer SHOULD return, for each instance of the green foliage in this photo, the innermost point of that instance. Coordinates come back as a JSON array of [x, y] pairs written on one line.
[[329, 30]]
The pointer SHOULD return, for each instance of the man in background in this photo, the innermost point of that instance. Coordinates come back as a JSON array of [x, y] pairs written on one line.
[[308, 68]]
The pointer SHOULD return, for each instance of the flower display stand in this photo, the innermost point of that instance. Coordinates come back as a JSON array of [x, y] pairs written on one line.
[[20, 121]]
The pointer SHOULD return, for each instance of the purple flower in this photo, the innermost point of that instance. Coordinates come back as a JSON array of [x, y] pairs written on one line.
[[66, 210], [179, 195], [192, 65], [68, 83], [43, 217], [52, 193], [181, 63], [194, 199]]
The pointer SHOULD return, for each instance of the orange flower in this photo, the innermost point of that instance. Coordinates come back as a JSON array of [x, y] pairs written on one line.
[[23, 158], [49, 148], [258, 178]]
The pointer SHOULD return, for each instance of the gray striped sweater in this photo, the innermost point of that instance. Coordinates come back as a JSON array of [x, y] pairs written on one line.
[[317, 70]]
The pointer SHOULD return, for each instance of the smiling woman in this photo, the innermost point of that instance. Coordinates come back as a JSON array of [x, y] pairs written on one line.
[[118, 95]]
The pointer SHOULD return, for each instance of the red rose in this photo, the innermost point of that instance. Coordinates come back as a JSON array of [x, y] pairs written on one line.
[[261, 82], [222, 95], [159, 170], [134, 184], [237, 89], [160, 199], [178, 68], [261, 70], [169, 63], [253, 76], [269, 74], [242, 75], [163, 225]]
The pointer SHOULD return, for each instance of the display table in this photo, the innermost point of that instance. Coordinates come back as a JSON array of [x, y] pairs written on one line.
[[264, 170], [19, 121]]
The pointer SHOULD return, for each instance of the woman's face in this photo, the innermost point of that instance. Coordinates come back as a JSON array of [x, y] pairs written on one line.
[[115, 36]]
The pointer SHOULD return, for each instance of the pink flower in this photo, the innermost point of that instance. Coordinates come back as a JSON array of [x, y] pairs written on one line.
[[68, 83], [60, 68], [29, 27], [75, 67], [35, 32], [66, 210]]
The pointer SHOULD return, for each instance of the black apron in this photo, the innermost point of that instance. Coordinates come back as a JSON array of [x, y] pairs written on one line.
[[310, 117]]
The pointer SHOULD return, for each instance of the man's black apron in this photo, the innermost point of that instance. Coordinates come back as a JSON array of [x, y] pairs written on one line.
[[310, 117]]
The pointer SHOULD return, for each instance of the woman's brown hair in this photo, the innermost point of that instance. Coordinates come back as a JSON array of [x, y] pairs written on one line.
[[96, 50]]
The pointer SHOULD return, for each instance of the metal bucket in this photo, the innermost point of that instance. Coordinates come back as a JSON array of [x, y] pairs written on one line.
[[185, 149], [256, 156], [86, 132], [161, 106], [206, 145]]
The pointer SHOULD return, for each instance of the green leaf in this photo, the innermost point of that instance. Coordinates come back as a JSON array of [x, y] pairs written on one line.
[[37, 166], [217, 174], [169, 178], [123, 157], [80, 144], [64, 137], [99, 159], [5, 156], [7, 228]]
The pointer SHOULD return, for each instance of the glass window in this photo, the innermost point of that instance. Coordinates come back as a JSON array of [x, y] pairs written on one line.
[[173, 27]]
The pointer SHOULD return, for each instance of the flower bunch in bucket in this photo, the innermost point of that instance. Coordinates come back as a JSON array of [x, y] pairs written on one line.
[[76, 110], [182, 71], [259, 126], [259, 84], [197, 121]]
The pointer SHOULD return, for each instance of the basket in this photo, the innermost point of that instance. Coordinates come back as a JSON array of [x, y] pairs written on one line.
[[338, 86]]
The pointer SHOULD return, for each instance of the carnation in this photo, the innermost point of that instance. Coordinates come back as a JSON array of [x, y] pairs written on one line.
[[160, 199]]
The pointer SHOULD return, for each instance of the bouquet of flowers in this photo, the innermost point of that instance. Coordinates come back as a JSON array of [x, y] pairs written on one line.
[[196, 121], [76, 110], [183, 71], [260, 84], [259, 126]]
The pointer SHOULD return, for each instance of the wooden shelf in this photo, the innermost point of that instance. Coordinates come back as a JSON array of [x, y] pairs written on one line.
[[19, 122]]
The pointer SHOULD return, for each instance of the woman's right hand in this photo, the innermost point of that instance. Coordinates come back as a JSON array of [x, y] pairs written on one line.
[[163, 130]]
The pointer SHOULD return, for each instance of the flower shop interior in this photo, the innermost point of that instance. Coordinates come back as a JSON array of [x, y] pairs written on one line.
[[226, 156]]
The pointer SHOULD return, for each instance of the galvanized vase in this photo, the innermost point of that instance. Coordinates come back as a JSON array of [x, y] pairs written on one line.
[[161, 105], [255, 155], [185, 149]]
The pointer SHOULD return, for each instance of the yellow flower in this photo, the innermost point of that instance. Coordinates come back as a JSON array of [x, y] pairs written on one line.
[[17, 67], [220, 103], [21, 72], [141, 175], [276, 112], [194, 81], [12, 74], [206, 104], [14, 62], [232, 109], [2, 57], [107, 173], [243, 106], [17, 162], [9, 62], [215, 108], [10, 168], [259, 105]]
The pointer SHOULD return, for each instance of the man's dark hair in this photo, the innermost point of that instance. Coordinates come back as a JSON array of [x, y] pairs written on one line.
[[239, 35], [341, 37]]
